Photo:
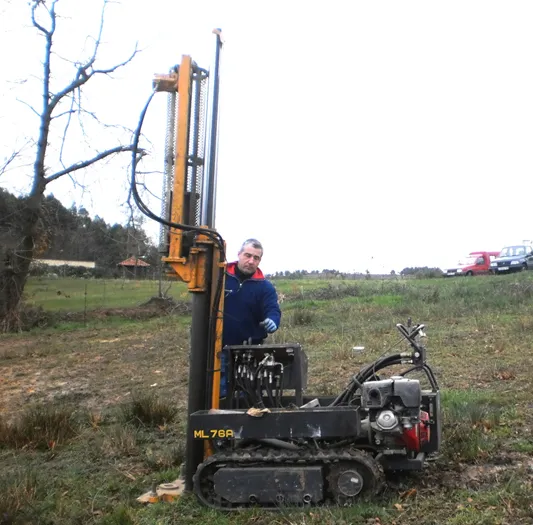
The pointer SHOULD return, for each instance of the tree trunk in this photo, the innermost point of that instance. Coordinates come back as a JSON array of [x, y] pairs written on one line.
[[15, 267]]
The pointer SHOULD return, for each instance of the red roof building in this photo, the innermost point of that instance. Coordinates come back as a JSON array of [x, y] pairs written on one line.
[[132, 262], [134, 268]]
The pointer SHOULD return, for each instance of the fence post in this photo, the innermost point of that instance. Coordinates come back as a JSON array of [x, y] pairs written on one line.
[[85, 308]]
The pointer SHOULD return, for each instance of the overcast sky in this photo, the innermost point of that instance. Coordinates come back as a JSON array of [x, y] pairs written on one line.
[[353, 135]]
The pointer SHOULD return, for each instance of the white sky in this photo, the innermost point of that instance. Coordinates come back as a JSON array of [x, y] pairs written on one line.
[[353, 135]]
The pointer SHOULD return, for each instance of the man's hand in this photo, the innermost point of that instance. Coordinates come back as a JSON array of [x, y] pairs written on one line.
[[270, 326]]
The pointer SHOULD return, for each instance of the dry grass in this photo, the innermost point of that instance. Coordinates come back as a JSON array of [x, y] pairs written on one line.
[[112, 401], [147, 409], [41, 426]]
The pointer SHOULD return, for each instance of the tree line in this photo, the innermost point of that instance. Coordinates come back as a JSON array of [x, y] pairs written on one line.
[[419, 272], [71, 234]]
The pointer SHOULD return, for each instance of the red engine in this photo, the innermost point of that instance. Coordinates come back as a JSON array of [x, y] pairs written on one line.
[[418, 435]]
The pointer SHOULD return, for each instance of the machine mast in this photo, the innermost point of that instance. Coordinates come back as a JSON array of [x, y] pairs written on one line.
[[191, 248]]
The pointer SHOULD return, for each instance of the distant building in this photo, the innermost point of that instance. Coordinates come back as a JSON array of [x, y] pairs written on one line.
[[59, 262], [134, 268]]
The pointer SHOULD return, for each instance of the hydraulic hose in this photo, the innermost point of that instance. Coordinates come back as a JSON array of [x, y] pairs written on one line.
[[212, 234], [364, 375]]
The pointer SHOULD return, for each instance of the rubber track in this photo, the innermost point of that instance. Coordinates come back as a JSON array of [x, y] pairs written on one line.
[[277, 457]]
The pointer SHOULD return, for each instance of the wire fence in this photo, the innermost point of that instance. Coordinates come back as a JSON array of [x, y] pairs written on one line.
[[73, 294]]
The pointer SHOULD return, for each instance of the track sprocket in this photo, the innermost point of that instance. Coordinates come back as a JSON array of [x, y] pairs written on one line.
[[358, 475]]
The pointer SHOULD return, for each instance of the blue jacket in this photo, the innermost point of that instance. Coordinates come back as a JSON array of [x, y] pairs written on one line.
[[247, 304]]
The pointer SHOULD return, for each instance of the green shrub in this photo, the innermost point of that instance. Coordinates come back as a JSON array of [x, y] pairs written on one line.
[[119, 441], [41, 426], [149, 410], [301, 317]]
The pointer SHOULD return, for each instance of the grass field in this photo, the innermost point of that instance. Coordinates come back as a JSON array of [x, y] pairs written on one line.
[[91, 415], [67, 294]]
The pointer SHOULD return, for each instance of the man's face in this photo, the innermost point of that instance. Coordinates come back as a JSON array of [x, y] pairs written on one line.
[[249, 259]]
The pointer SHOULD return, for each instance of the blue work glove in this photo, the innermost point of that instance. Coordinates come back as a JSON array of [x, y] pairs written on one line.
[[270, 326]]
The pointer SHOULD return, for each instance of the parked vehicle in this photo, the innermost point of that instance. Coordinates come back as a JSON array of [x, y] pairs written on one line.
[[476, 263], [515, 258]]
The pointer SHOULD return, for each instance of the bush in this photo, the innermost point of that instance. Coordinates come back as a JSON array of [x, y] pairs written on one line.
[[149, 410], [41, 426], [422, 272], [34, 317], [301, 317], [334, 291]]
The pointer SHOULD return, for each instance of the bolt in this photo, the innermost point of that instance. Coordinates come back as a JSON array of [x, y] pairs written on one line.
[[154, 488]]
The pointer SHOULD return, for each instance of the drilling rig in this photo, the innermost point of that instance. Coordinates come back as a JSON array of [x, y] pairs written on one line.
[[267, 442]]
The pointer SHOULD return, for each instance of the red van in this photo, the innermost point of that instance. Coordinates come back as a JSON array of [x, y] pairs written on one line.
[[476, 263]]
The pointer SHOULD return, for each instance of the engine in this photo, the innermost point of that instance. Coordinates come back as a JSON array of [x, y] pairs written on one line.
[[395, 418]]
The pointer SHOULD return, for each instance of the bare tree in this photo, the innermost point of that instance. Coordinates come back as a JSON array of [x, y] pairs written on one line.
[[63, 109]]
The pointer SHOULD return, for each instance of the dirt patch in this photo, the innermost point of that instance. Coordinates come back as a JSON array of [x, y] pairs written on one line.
[[499, 466], [96, 368], [155, 307], [443, 477]]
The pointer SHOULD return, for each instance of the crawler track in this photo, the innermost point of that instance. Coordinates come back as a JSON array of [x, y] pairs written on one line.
[[348, 474]]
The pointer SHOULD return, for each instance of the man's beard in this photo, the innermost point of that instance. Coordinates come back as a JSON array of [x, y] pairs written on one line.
[[246, 271]]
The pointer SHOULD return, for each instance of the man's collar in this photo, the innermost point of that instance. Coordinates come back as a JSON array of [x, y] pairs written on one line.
[[232, 267]]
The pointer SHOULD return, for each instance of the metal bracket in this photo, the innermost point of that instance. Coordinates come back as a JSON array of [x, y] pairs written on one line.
[[164, 492]]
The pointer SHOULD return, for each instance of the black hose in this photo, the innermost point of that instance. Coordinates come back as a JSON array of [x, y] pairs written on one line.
[[364, 375], [278, 443], [429, 374], [258, 391], [270, 396], [371, 370], [212, 234]]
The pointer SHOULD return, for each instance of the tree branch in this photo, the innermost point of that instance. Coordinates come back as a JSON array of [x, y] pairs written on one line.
[[94, 117], [63, 140], [36, 24], [8, 161], [86, 163], [143, 185], [117, 66], [87, 70], [44, 128], [84, 73], [68, 112], [29, 106]]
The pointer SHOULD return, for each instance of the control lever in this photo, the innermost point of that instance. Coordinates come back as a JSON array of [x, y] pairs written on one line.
[[412, 334]]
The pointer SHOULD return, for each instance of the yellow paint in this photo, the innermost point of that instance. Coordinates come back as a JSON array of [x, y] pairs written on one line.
[[221, 267], [182, 143], [214, 433]]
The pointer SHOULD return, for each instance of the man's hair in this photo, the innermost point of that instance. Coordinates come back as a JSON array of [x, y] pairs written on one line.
[[255, 243]]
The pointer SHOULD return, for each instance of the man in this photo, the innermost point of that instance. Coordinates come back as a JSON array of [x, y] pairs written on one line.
[[251, 309]]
